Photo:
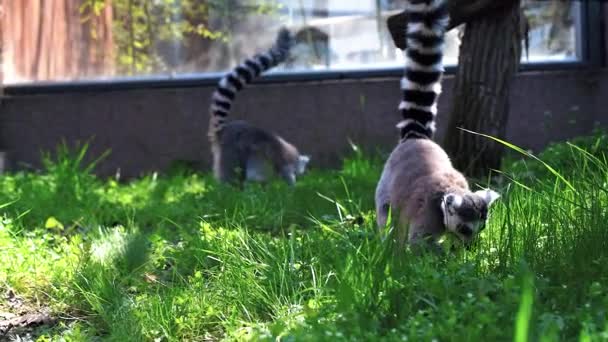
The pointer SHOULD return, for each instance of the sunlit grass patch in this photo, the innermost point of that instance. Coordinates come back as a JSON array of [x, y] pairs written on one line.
[[179, 257]]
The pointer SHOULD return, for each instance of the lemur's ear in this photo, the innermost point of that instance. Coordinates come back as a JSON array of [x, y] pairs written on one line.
[[488, 195]]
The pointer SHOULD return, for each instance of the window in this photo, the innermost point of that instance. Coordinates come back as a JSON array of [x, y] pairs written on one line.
[[554, 30], [66, 40]]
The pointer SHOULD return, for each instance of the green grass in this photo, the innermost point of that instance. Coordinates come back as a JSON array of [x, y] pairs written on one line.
[[179, 257]]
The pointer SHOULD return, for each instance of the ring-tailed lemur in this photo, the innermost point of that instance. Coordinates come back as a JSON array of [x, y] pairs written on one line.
[[240, 150], [419, 183]]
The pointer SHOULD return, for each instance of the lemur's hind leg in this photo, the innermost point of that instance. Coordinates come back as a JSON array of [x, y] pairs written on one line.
[[382, 199], [382, 212], [229, 167]]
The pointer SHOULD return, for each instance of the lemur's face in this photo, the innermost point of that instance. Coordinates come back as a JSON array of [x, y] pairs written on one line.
[[466, 215]]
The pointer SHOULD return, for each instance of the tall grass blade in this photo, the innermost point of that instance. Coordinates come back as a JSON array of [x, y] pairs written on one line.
[[526, 153], [522, 323]]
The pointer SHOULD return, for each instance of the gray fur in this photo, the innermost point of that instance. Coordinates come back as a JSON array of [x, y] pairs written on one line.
[[428, 197], [425, 194], [241, 151], [244, 152]]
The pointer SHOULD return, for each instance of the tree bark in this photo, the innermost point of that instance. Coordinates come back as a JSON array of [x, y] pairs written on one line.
[[1, 53], [49, 40], [489, 58]]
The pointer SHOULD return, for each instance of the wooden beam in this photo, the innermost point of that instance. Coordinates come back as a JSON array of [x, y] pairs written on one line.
[[461, 11]]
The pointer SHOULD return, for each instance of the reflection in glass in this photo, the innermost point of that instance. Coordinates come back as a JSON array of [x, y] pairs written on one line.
[[553, 28], [64, 40]]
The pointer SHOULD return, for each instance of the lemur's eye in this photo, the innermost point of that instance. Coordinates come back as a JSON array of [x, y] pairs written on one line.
[[468, 214]]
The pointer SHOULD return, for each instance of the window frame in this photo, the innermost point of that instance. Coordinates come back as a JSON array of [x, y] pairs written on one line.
[[592, 56]]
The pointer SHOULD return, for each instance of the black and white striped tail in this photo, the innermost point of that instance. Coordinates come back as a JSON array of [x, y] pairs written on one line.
[[234, 81], [427, 21]]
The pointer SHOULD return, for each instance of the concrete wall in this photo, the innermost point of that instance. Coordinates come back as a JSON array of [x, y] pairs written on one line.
[[148, 129]]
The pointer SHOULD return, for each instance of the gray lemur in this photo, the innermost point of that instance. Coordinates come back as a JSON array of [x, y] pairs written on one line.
[[240, 150], [419, 184]]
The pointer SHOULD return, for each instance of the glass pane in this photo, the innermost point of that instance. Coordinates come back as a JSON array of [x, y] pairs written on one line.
[[554, 30], [63, 40]]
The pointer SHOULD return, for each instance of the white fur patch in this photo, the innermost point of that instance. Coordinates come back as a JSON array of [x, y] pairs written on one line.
[[488, 195], [269, 56], [291, 179], [219, 97], [302, 162], [238, 77], [409, 85], [249, 69], [225, 84], [437, 30], [453, 200], [403, 105], [404, 123], [449, 204], [415, 45], [218, 109]]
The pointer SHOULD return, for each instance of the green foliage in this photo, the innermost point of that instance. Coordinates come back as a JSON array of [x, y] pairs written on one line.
[[180, 257], [566, 157], [140, 27]]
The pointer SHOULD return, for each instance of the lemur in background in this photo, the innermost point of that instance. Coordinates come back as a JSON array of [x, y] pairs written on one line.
[[240, 150], [419, 184]]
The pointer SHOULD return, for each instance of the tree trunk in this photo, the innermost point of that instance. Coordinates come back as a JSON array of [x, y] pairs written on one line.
[[1, 53], [50, 40], [489, 58]]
